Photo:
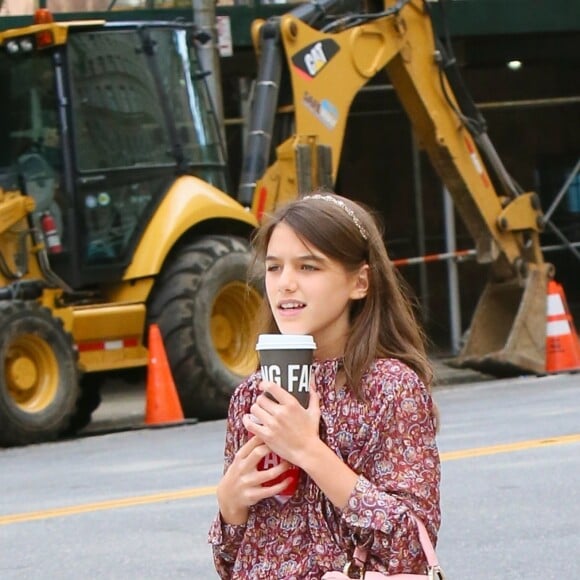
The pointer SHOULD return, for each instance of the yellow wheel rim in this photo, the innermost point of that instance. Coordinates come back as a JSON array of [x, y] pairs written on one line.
[[32, 373], [232, 326]]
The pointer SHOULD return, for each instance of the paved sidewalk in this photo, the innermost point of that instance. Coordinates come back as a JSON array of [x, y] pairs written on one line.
[[123, 404], [445, 374]]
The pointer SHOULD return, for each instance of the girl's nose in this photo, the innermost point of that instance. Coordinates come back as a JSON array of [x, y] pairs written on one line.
[[287, 281]]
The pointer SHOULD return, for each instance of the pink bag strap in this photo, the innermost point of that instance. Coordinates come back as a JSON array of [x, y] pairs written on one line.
[[360, 554]]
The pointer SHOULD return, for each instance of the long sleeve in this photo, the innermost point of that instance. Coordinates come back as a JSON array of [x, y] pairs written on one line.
[[225, 538], [399, 473]]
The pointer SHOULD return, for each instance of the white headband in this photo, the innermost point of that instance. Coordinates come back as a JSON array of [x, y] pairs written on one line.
[[345, 207]]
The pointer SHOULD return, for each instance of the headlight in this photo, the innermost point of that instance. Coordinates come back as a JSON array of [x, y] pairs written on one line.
[[26, 45], [12, 47]]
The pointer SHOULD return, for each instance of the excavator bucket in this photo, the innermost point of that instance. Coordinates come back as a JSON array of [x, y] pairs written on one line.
[[507, 336]]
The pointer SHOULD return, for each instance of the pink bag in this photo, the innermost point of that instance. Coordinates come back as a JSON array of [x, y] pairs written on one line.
[[356, 568]]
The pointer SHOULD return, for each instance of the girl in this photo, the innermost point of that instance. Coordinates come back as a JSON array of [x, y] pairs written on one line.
[[366, 442]]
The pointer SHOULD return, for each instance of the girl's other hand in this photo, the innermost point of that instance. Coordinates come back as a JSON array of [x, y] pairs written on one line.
[[241, 485], [285, 426]]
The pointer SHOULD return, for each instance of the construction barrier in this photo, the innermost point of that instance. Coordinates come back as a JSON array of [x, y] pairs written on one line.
[[459, 254]]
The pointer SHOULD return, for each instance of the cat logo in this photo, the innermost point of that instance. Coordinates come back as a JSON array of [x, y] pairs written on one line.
[[312, 59]]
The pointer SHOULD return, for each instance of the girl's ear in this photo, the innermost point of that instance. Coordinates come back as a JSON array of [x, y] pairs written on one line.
[[362, 282]]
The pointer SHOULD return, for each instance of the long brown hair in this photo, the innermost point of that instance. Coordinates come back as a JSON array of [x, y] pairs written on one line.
[[383, 324]]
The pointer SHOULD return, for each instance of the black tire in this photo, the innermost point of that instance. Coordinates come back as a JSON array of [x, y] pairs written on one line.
[[39, 387], [203, 286]]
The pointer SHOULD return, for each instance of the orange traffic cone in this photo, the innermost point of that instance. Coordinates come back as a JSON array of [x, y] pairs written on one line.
[[162, 405], [562, 343]]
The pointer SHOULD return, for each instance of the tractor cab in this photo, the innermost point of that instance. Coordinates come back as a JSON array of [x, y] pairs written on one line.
[[102, 119]]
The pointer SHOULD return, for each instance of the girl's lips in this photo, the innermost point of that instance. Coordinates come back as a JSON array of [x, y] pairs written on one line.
[[290, 304], [289, 312], [290, 307]]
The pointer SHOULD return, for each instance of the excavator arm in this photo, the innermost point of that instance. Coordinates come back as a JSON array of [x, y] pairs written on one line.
[[329, 59]]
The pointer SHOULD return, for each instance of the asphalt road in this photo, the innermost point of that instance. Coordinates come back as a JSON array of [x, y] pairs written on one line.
[[137, 504]]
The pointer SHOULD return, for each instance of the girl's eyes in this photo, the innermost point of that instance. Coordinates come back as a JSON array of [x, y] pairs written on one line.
[[303, 267]]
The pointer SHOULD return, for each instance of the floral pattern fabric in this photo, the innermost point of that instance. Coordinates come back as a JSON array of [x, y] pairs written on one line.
[[388, 439]]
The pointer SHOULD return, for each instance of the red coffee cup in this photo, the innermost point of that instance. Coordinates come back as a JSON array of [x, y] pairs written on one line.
[[272, 460]]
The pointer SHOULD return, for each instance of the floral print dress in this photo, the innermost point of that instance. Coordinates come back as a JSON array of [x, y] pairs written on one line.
[[388, 439]]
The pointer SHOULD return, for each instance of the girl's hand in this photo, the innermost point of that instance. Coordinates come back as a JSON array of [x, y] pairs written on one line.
[[285, 426], [241, 485]]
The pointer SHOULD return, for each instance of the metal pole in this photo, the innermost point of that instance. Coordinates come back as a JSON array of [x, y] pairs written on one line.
[[563, 191], [452, 278], [246, 92], [204, 16], [522, 104], [420, 224]]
